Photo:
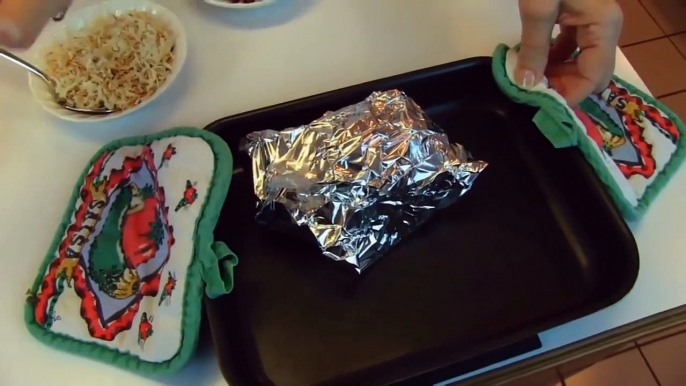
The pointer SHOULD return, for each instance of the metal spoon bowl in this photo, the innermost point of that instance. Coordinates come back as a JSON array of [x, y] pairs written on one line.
[[51, 85]]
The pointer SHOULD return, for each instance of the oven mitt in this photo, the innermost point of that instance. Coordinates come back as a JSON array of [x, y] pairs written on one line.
[[124, 277], [634, 143]]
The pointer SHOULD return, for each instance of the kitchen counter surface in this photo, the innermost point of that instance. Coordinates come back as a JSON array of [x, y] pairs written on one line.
[[240, 61]]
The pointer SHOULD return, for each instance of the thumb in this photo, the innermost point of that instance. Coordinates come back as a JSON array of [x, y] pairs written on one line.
[[538, 20]]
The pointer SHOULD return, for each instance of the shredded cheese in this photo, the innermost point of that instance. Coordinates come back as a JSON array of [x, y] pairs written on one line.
[[117, 62]]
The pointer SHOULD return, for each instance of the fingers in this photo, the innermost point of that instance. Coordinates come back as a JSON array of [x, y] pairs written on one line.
[[589, 73], [538, 19], [9, 33], [21, 21], [566, 79], [564, 46], [597, 64], [599, 47], [596, 31]]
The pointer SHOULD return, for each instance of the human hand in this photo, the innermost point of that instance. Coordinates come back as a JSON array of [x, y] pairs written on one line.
[[593, 26], [21, 21]]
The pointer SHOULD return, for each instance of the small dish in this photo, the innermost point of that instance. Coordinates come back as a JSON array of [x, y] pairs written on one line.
[[230, 5], [81, 18]]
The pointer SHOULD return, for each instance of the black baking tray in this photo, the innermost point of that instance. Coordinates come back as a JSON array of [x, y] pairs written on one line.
[[536, 243]]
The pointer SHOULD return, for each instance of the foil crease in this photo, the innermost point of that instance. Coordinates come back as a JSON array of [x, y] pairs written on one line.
[[361, 178]]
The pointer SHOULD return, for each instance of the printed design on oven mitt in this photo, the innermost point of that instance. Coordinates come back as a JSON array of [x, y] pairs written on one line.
[[633, 142], [123, 279]]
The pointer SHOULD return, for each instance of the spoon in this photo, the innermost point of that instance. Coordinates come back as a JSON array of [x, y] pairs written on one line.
[[51, 84]]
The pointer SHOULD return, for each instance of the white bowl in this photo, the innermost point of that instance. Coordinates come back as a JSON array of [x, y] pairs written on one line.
[[227, 4], [81, 18]]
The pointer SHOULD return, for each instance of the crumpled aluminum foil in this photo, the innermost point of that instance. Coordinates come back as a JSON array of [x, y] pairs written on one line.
[[361, 178]]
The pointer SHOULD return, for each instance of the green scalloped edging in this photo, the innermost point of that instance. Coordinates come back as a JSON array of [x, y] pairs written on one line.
[[559, 125], [203, 267]]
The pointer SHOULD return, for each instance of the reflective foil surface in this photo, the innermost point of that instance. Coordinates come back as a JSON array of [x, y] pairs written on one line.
[[361, 178]]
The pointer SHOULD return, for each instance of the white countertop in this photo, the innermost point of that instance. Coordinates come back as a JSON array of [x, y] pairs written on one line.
[[240, 61]]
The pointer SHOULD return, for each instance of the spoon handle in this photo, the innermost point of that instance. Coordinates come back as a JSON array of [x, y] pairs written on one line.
[[22, 63]]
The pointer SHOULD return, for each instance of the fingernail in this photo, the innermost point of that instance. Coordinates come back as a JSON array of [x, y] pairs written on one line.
[[528, 79]]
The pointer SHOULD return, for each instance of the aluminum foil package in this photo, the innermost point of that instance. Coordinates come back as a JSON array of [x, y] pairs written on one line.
[[362, 178]]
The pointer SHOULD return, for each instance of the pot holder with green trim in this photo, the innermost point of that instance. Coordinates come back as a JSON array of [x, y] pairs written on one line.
[[633, 142], [124, 277]]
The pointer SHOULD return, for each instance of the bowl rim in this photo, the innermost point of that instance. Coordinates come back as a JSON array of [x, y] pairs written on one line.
[[239, 6], [37, 87]]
